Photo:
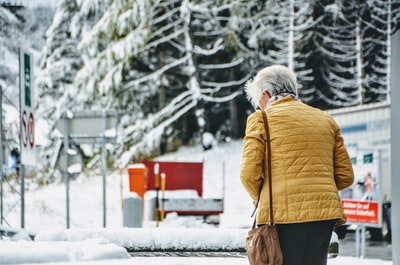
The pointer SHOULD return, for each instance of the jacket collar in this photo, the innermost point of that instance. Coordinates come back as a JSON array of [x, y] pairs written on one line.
[[280, 96]]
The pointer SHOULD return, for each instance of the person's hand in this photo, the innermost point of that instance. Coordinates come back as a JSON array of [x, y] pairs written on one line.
[[255, 203]]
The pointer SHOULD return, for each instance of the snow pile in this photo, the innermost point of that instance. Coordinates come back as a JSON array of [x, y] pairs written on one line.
[[157, 239], [23, 252]]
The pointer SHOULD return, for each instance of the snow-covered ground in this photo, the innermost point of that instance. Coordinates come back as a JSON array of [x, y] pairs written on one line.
[[87, 242]]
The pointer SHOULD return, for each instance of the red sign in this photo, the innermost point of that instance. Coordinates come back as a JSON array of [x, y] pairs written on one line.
[[28, 130], [365, 212]]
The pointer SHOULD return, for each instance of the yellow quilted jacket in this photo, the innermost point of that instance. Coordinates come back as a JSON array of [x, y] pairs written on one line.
[[310, 163]]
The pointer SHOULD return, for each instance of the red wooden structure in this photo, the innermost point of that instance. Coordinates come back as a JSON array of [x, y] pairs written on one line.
[[179, 175]]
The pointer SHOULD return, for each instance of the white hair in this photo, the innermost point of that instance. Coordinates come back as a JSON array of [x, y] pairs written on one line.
[[275, 79]]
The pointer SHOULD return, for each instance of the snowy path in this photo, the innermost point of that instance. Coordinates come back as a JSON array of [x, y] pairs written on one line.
[[213, 261]]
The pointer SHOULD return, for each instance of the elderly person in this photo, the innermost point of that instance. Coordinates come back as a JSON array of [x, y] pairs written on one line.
[[309, 163]]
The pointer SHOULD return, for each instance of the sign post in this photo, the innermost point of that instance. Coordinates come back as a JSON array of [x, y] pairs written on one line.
[[88, 127], [27, 107], [27, 121]]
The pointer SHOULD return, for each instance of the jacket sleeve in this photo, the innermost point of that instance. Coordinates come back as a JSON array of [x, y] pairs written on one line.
[[253, 154], [344, 175]]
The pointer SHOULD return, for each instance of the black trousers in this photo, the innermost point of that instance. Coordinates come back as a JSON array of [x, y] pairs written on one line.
[[305, 243]]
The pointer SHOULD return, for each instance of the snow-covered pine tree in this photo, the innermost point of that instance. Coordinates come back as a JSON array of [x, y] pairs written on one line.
[[59, 63], [220, 61], [156, 62], [334, 56], [350, 58], [278, 32], [379, 23]]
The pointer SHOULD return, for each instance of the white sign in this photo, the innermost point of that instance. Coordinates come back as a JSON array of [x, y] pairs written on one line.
[[362, 200], [28, 156], [90, 124]]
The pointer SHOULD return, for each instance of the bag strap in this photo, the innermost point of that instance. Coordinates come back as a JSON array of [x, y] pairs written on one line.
[[271, 212], [268, 140]]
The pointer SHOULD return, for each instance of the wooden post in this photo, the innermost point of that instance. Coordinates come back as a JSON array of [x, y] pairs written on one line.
[[163, 182], [157, 187]]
